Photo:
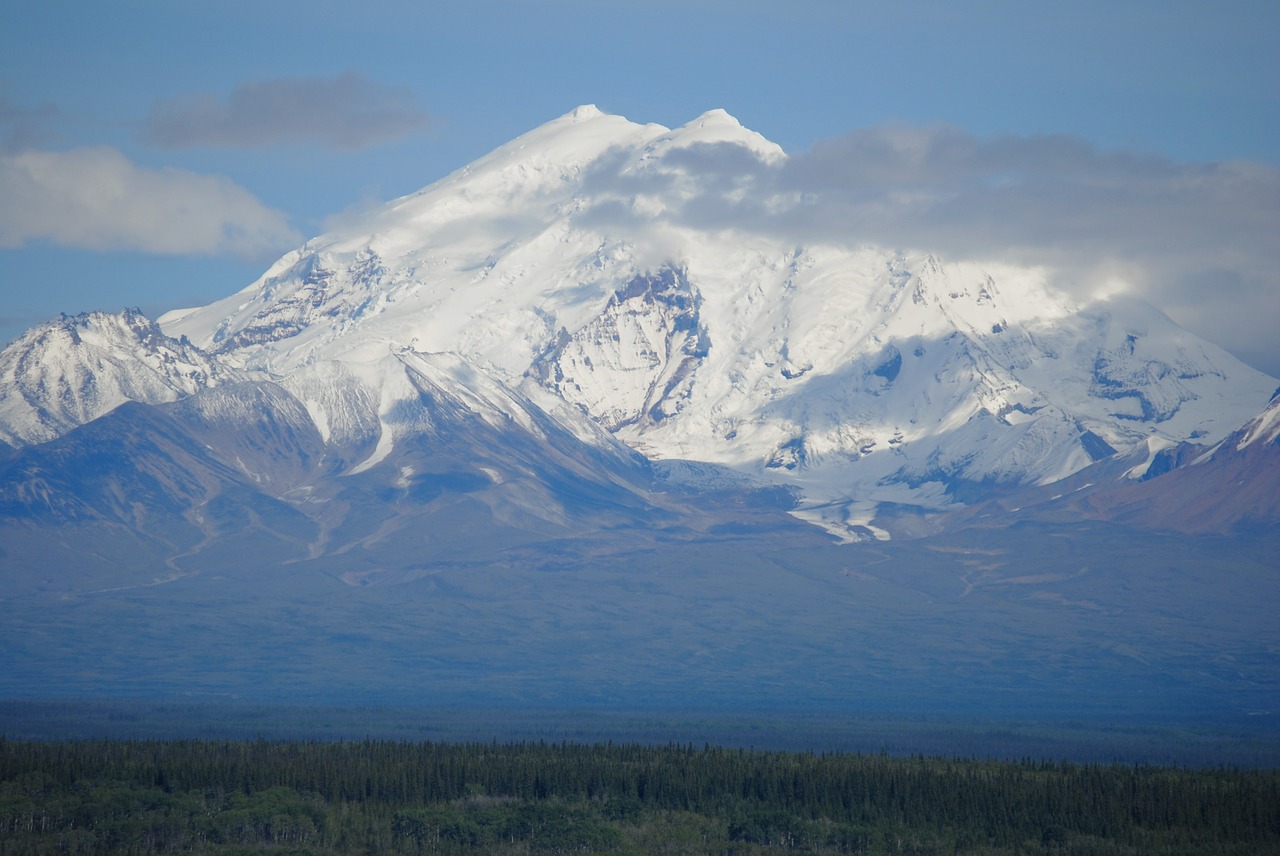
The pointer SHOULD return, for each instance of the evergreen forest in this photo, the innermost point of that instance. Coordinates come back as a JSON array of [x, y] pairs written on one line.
[[391, 797]]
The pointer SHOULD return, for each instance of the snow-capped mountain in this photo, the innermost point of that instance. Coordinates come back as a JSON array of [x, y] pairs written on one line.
[[570, 268], [568, 259], [71, 370], [542, 432]]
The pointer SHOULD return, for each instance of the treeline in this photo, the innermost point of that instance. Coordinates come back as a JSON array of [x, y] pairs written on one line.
[[397, 797]]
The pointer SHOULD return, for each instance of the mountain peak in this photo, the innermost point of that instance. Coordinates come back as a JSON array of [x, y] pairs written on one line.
[[570, 140], [718, 115], [584, 111], [719, 126]]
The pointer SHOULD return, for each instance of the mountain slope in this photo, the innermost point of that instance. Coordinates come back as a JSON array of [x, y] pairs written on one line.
[[368, 472], [1232, 487]]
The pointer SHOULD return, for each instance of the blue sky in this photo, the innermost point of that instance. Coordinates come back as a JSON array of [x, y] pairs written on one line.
[[162, 154]]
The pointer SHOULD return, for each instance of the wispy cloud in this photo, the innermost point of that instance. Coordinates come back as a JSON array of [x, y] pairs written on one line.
[[1196, 240], [24, 127], [96, 198], [347, 112]]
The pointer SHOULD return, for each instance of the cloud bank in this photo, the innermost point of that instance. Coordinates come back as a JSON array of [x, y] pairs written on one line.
[[348, 113], [1199, 241], [96, 198]]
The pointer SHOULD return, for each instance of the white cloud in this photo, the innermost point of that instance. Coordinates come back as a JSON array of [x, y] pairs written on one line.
[[1196, 240], [347, 112], [95, 198]]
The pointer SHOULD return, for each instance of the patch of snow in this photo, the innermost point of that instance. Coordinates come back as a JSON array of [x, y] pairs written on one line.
[[1154, 445], [1265, 428], [849, 523], [318, 416], [385, 444]]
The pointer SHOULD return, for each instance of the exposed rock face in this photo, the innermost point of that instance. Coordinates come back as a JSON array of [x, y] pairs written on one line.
[[635, 361]]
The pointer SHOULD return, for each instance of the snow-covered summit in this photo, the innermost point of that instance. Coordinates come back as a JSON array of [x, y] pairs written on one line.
[[718, 127]]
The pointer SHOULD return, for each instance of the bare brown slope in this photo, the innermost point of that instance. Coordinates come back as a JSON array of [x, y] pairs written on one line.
[[1234, 489]]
